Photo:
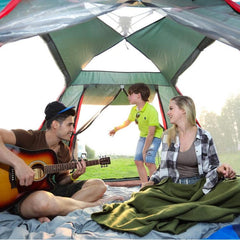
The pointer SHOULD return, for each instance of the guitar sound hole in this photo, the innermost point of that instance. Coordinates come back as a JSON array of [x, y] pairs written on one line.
[[39, 172]]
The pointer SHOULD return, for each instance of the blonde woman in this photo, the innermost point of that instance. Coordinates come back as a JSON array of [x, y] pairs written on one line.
[[188, 151]]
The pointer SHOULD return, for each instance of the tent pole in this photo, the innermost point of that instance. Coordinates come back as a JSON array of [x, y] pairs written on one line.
[[74, 136], [161, 109]]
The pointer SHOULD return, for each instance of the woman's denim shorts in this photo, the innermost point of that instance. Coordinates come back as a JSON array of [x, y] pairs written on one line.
[[189, 180]]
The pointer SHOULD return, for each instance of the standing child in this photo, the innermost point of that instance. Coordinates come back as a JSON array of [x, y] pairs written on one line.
[[146, 117]]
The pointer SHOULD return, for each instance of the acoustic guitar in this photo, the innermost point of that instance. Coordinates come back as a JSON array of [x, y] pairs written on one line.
[[44, 164]]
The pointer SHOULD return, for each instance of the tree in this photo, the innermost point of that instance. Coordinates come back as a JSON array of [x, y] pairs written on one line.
[[230, 125], [225, 129], [236, 108], [90, 152], [212, 123]]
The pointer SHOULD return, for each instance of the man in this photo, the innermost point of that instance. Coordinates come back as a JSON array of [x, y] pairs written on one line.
[[67, 194]]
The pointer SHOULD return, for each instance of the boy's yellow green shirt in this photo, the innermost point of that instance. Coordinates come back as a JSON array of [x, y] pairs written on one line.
[[148, 116]]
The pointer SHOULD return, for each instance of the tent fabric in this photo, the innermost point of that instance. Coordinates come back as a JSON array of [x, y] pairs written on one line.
[[215, 18], [170, 51], [166, 49], [234, 4], [78, 44], [36, 17], [6, 6], [76, 32]]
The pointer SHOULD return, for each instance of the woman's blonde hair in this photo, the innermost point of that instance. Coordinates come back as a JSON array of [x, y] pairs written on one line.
[[184, 103]]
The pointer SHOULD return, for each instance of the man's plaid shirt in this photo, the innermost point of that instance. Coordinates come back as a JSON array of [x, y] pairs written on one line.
[[206, 156]]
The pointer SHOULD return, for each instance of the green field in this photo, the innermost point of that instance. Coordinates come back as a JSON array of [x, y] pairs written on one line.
[[119, 168], [125, 167]]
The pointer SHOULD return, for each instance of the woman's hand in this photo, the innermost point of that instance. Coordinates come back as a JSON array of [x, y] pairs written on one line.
[[226, 171], [149, 183]]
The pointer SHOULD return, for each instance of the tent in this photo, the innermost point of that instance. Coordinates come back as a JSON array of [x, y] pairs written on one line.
[[169, 34], [77, 31]]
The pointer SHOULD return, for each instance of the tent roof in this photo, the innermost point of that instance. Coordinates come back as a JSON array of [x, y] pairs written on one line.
[[215, 18], [167, 43], [76, 32]]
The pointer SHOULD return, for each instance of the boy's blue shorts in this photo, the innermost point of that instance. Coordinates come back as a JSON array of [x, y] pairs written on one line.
[[152, 151]]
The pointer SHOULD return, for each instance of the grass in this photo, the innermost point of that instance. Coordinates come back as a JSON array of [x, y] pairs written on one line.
[[119, 168], [125, 167]]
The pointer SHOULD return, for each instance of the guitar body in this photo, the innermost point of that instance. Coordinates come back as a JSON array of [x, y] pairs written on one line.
[[10, 190]]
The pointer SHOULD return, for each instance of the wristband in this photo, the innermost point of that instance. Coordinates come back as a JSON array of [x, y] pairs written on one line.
[[73, 179], [115, 129]]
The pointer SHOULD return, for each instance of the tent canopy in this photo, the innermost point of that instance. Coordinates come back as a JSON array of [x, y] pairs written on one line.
[[78, 31]]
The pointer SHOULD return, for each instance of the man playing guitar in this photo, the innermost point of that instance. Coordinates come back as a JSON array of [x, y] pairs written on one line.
[[67, 194]]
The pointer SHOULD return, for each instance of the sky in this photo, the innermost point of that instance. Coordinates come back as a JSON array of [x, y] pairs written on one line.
[[213, 77], [30, 80]]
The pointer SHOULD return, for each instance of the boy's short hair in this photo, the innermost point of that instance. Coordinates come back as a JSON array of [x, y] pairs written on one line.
[[141, 88]]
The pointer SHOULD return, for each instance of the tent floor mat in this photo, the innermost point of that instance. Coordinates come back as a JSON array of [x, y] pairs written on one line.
[[124, 183]]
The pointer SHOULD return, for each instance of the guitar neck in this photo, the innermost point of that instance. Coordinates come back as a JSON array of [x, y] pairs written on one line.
[[92, 162], [49, 169]]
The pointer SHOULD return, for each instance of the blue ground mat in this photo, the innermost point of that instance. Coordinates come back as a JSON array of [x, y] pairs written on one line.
[[228, 232]]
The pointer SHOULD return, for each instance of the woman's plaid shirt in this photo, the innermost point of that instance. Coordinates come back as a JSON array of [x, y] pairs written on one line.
[[206, 156]]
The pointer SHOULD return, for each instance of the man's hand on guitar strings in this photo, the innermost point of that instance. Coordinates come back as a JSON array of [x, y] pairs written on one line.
[[24, 173]]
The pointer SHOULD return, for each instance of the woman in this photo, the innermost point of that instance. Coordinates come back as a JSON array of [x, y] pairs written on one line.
[[188, 151], [185, 195]]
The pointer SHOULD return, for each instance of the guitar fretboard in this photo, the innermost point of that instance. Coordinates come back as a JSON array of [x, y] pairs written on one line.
[[49, 169], [92, 162], [59, 167]]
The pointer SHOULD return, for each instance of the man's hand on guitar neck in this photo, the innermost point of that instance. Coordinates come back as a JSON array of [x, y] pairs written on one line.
[[81, 169]]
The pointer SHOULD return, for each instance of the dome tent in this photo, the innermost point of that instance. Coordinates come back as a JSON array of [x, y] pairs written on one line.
[[75, 34], [170, 54]]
